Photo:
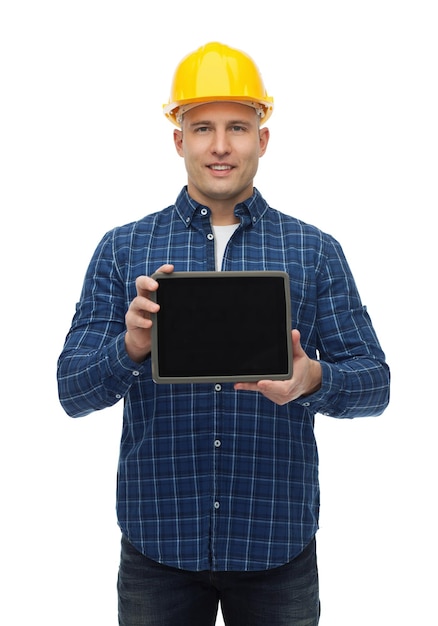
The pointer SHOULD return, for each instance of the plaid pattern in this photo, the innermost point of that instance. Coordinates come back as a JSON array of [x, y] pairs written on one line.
[[210, 478]]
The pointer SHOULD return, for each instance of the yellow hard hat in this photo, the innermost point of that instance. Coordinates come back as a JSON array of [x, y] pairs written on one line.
[[216, 72]]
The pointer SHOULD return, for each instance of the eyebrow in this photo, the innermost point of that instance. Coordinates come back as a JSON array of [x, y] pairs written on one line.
[[229, 122]]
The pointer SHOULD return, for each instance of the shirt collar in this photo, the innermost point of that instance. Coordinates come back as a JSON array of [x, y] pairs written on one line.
[[249, 212]]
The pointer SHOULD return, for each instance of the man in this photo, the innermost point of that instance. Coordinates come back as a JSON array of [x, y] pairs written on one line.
[[218, 491]]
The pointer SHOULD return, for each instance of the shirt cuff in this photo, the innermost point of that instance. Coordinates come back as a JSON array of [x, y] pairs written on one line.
[[321, 400], [120, 371]]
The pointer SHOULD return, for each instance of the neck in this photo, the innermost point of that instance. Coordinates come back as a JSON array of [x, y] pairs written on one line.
[[223, 219], [222, 211]]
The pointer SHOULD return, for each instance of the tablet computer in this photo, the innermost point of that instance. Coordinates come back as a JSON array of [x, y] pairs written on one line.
[[221, 327]]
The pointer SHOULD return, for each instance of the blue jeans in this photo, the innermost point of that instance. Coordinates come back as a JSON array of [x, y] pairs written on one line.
[[151, 594]]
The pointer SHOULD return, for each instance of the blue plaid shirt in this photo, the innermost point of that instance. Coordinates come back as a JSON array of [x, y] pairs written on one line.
[[211, 478]]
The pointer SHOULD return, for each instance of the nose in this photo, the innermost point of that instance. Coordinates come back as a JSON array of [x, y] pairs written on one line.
[[220, 142]]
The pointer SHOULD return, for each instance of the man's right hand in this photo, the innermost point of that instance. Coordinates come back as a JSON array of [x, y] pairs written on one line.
[[138, 317]]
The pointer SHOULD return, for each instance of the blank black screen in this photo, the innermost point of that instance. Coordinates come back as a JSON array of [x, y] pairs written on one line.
[[222, 326]]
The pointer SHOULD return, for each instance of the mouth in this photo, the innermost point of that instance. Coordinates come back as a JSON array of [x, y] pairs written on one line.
[[220, 170], [220, 167]]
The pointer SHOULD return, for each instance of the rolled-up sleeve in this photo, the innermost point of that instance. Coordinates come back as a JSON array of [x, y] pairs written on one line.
[[94, 370], [355, 376]]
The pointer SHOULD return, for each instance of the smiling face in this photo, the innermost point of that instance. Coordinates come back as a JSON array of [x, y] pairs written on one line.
[[221, 143]]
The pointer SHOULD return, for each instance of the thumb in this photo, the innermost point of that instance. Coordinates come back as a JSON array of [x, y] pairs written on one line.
[[296, 344]]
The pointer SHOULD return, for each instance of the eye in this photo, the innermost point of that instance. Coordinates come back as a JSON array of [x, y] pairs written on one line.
[[201, 129], [238, 128]]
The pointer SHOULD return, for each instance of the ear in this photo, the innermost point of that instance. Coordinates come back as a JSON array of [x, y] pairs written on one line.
[[264, 139], [178, 141]]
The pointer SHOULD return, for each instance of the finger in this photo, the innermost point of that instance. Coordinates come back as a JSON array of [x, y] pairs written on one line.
[[139, 313], [167, 268], [297, 349], [296, 337], [145, 285], [263, 386], [246, 387], [145, 306]]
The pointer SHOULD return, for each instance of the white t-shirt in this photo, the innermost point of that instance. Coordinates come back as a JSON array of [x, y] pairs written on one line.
[[222, 235]]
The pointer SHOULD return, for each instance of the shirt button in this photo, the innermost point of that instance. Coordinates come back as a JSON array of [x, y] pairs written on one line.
[[210, 236], [136, 373], [306, 403], [216, 505], [218, 387], [217, 443], [118, 396], [204, 211]]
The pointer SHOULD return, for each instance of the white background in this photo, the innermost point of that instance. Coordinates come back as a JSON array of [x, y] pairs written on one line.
[[84, 147]]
